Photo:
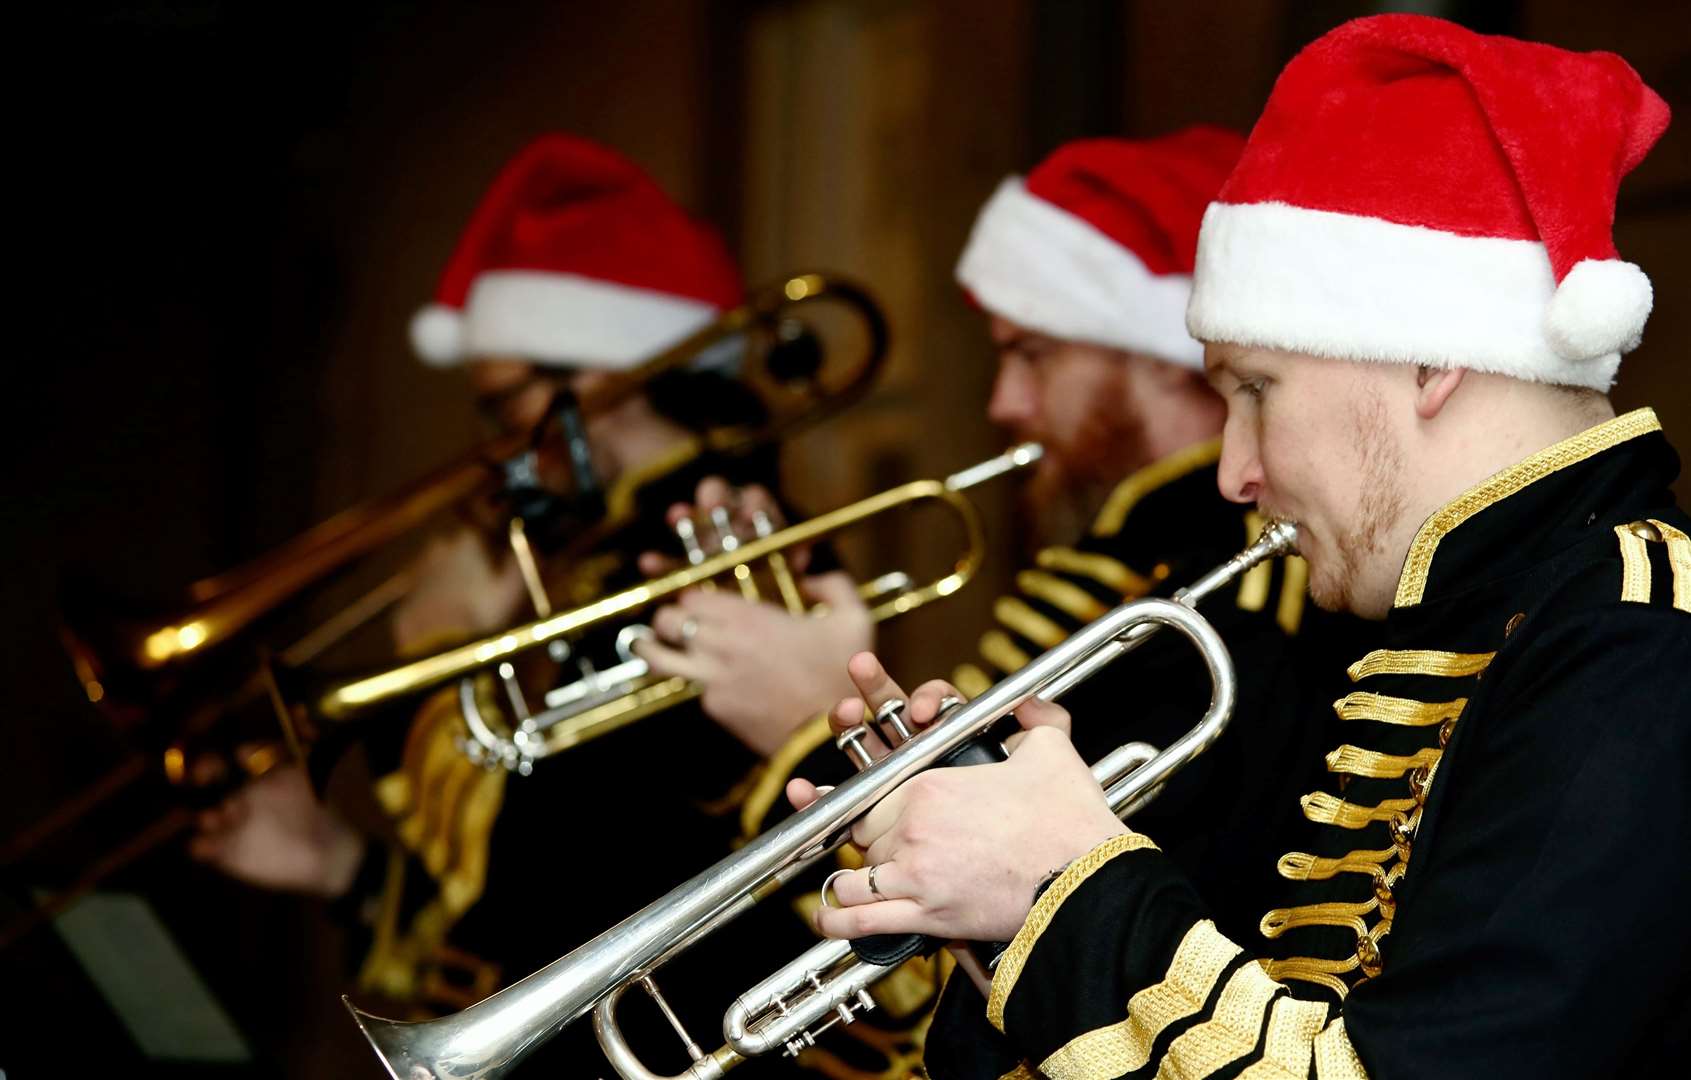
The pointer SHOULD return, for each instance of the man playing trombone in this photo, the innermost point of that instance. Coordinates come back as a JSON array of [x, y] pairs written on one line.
[[574, 267], [1412, 304]]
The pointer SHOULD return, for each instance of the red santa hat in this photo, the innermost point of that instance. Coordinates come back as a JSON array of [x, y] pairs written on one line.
[[575, 257], [1097, 244], [1415, 192]]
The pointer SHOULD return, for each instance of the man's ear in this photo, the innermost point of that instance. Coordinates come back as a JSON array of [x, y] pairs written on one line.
[[1434, 387]]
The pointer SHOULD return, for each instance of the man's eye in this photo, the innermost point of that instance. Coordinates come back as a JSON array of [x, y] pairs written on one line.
[[1251, 388]]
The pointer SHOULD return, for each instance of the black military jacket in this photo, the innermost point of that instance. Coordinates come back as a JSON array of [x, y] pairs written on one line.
[[1161, 528], [1489, 882]]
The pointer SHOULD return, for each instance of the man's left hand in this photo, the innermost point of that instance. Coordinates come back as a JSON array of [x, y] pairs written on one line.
[[763, 670], [959, 852]]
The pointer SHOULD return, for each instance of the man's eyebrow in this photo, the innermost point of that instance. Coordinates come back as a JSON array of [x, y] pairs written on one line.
[[1221, 367]]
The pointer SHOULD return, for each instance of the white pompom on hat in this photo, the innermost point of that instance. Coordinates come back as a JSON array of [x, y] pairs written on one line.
[[1097, 243], [575, 258], [1419, 193]]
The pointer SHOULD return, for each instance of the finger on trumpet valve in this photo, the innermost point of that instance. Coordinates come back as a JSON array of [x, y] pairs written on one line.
[[851, 741], [889, 722]]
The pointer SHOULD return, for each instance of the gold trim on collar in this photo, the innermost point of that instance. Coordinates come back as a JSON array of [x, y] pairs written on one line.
[[1159, 473], [1419, 562]]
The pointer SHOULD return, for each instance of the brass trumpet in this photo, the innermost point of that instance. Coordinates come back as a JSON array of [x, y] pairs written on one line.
[[171, 677], [827, 984], [602, 701]]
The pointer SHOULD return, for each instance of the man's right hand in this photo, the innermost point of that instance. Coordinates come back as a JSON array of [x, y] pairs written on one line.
[[274, 833]]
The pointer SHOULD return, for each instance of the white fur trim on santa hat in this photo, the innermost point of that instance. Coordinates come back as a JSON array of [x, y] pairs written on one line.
[[560, 319], [1276, 276], [1042, 267]]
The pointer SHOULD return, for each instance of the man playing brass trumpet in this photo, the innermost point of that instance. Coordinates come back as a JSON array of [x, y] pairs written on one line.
[[1412, 304], [1082, 270]]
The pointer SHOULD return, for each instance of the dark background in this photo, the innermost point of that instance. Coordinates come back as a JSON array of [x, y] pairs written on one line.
[[240, 205]]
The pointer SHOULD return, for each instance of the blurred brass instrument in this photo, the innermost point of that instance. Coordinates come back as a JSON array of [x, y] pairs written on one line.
[[601, 701], [828, 983], [170, 678]]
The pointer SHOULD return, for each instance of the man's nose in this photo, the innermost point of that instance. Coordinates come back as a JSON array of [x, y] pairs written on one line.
[[1240, 475], [1013, 401]]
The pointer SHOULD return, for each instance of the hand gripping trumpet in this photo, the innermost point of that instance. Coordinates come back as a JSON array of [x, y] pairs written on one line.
[[828, 983]]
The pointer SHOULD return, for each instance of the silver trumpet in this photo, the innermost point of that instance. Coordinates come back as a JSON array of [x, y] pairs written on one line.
[[827, 984]]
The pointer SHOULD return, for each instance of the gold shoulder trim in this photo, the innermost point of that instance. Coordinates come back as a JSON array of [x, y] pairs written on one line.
[[1635, 566], [1020, 1072], [772, 780], [1153, 476], [1416, 565], [1679, 558], [1021, 947], [1231, 1031], [1335, 1057], [1452, 665], [1290, 1041], [1119, 1048], [1108, 572], [1635, 539]]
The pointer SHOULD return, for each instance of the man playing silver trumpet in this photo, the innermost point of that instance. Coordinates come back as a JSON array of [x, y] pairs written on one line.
[[1411, 302], [1082, 270]]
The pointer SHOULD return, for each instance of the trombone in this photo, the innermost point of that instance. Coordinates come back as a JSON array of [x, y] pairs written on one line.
[[601, 701], [827, 984], [791, 378], [171, 676]]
